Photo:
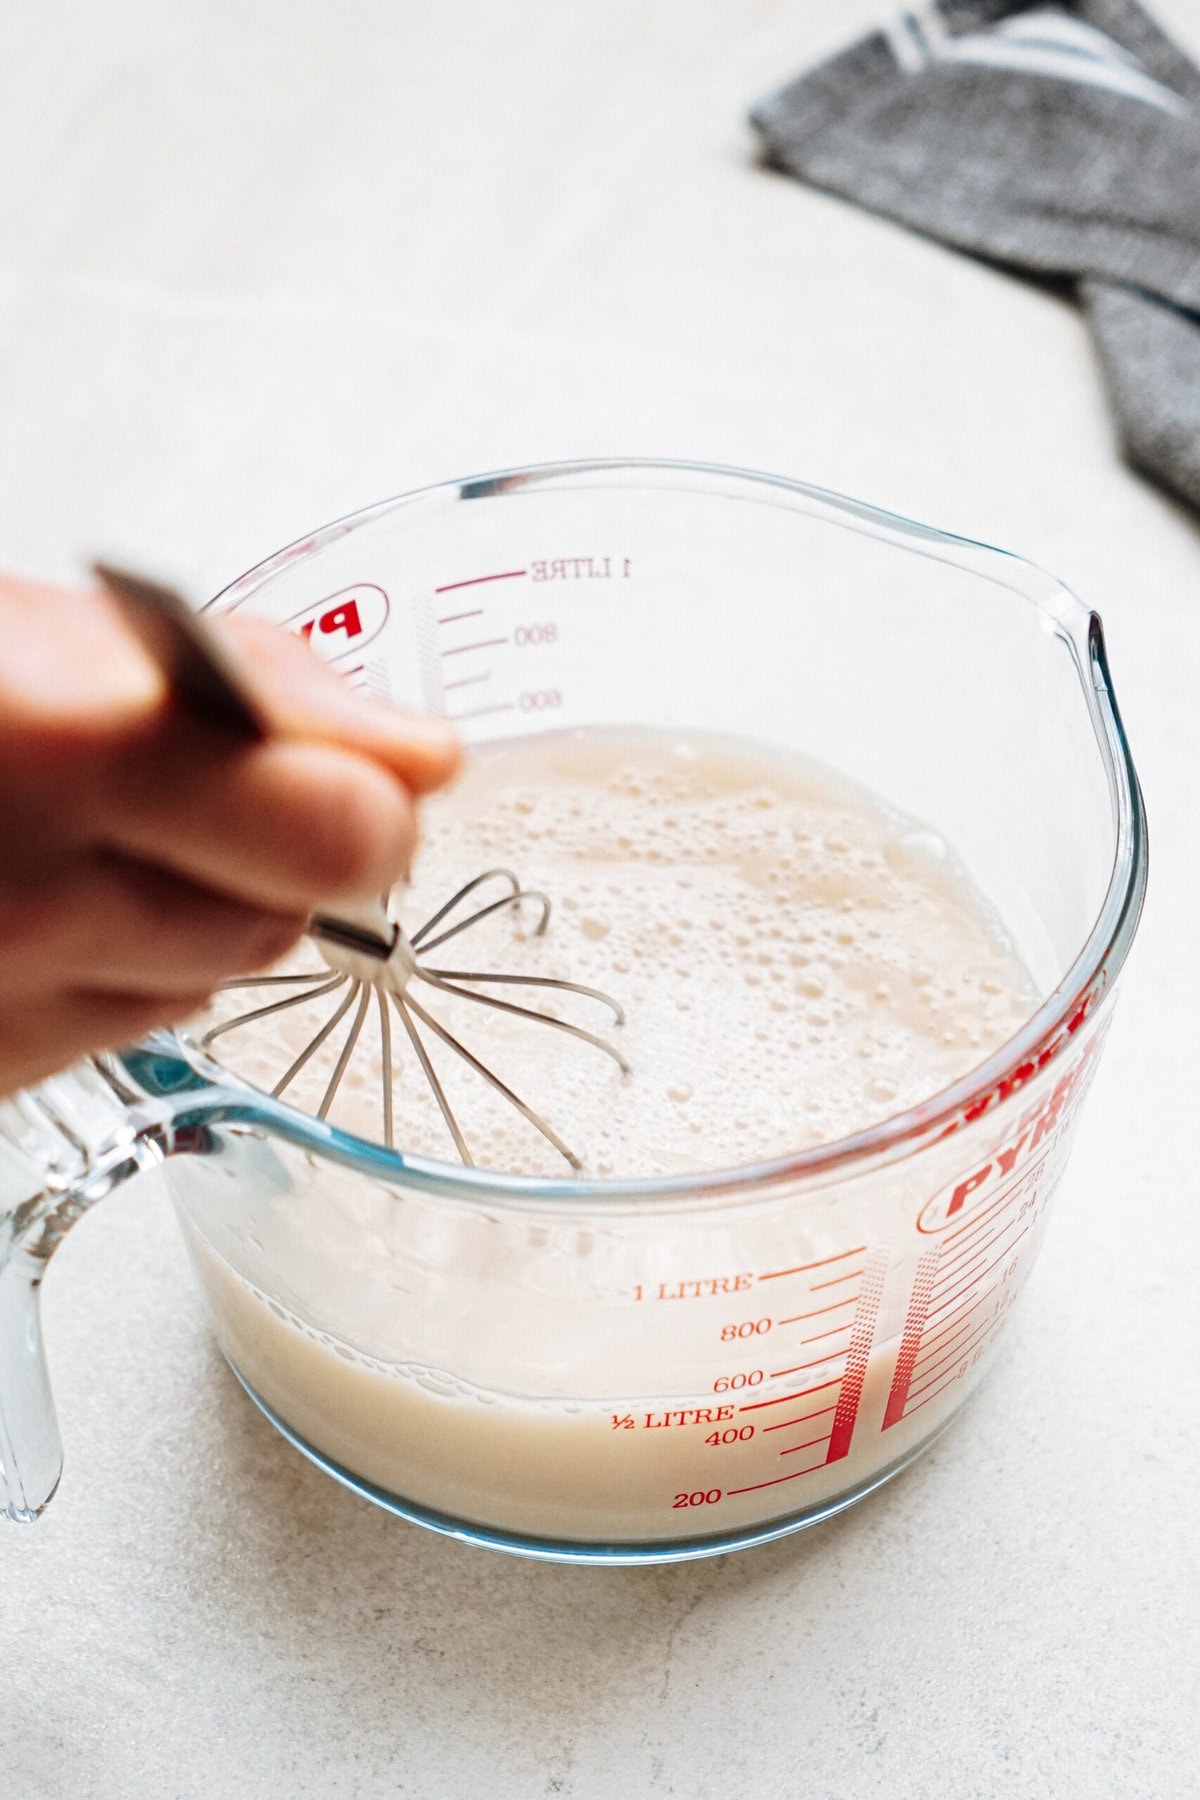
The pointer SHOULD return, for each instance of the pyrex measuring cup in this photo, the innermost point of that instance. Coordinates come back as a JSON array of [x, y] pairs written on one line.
[[643, 1371]]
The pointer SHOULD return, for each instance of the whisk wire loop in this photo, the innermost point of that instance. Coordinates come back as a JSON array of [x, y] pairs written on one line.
[[314, 1044], [392, 987], [364, 991], [538, 981], [385, 1046], [264, 1012], [432, 1077], [486, 912], [489, 1075], [456, 899], [527, 1012]]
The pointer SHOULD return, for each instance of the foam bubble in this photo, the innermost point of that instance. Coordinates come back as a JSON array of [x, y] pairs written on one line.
[[668, 872]]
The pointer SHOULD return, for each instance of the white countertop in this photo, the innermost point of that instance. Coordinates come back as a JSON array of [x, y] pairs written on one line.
[[260, 264]]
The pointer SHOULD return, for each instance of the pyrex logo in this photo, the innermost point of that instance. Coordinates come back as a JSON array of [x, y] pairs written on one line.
[[961, 1198], [344, 623]]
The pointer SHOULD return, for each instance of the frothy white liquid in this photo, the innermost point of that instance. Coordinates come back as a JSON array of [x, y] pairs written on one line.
[[796, 962]]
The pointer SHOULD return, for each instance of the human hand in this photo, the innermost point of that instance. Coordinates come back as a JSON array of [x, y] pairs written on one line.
[[145, 855]]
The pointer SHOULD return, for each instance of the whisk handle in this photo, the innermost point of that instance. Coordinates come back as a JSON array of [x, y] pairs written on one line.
[[202, 675], [190, 655]]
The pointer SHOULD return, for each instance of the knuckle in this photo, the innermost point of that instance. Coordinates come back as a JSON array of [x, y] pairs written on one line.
[[360, 830], [118, 1014], [269, 942], [34, 923], [201, 937], [136, 1015], [177, 1009]]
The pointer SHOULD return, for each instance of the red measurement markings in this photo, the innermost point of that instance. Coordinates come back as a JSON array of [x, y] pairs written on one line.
[[961, 1281], [466, 681], [940, 1348], [1001, 1241], [755, 1486], [786, 1424], [958, 1282], [965, 1235], [837, 1281], [910, 1342], [857, 1358], [803, 1268], [944, 1332], [949, 1296], [947, 1334], [479, 712], [847, 1386], [962, 1311], [985, 1233], [1027, 1177], [973, 1281], [816, 1363], [966, 1257], [929, 1372], [916, 1405], [954, 1262], [953, 1374], [481, 644], [451, 587], [782, 1399], [818, 1336], [819, 1311], [454, 618], [941, 1327]]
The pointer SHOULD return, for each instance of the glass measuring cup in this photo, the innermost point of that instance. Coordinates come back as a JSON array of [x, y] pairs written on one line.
[[642, 1371]]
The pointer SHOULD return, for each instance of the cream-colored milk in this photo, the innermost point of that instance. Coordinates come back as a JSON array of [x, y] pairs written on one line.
[[795, 962]]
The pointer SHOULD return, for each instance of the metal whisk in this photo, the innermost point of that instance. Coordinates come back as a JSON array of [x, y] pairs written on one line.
[[394, 982], [369, 956]]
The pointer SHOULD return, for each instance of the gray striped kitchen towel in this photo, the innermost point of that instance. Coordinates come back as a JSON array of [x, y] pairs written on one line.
[[1062, 140]]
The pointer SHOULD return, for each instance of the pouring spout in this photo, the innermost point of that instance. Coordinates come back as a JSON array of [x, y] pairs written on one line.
[[63, 1147]]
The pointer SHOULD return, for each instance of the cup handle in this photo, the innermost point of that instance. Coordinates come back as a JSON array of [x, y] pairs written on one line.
[[63, 1146], [30, 1445]]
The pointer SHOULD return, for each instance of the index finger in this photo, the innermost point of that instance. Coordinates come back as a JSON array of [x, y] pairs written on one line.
[[301, 697]]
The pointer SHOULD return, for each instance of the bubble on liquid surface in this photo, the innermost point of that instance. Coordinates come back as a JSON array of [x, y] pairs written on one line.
[[919, 852], [871, 922]]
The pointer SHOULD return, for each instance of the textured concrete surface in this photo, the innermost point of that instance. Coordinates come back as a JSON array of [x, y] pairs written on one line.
[[260, 264]]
